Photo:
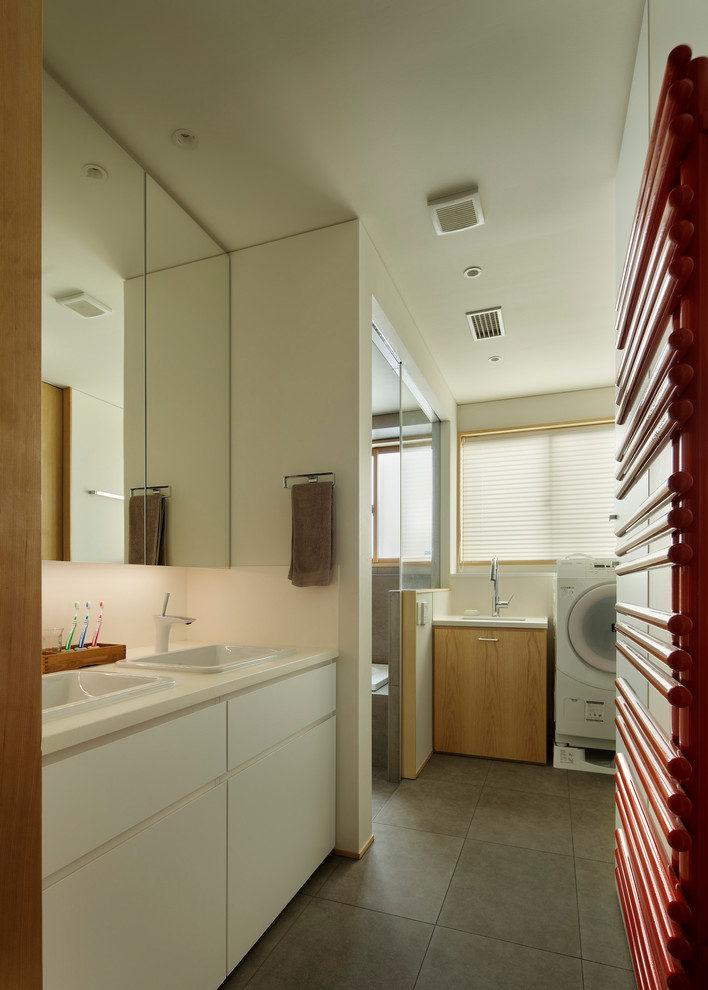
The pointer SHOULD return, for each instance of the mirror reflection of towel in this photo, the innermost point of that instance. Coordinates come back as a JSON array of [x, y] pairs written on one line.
[[150, 506], [312, 545]]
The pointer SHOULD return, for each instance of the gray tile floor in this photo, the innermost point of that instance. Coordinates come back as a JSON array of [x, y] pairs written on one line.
[[483, 876]]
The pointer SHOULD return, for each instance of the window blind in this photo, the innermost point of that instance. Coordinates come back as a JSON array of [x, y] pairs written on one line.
[[403, 502], [417, 501], [388, 502], [538, 494]]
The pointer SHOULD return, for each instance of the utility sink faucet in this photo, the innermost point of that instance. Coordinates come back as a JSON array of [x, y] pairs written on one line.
[[163, 624], [493, 577]]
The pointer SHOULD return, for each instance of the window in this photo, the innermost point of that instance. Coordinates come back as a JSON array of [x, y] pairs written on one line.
[[536, 494], [402, 508]]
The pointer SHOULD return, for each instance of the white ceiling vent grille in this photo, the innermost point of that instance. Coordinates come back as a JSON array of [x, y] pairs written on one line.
[[486, 324], [83, 304], [454, 213]]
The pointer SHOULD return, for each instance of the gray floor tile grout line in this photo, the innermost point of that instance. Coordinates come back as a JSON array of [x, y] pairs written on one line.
[[275, 945], [481, 784], [511, 941], [425, 956], [577, 895]]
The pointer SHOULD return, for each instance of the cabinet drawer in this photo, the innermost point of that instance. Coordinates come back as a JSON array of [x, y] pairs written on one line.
[[90, 798], [281, 827], [147, 914], [261, 718]]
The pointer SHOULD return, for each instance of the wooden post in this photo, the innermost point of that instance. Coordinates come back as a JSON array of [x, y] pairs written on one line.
[[20, 564]]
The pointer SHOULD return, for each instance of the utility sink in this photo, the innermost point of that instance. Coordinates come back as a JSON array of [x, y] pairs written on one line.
[[495, 618], [492, 621], [211, 659], [68, 692]]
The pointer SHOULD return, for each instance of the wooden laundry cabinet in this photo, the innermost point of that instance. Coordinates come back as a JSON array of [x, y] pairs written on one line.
[[489, 689]]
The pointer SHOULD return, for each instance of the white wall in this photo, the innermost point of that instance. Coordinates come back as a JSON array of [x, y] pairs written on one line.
[[298, 386], [535, 410]]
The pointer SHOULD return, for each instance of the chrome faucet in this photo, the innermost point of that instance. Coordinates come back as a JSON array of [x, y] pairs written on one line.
[[163, 624], [498, 603]]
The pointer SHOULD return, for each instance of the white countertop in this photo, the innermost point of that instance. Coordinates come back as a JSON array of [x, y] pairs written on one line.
[[490, 622], [190, 688]]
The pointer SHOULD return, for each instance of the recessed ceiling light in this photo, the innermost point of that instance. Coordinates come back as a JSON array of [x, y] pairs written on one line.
[[472, 272], [494, 358], [184, 138]]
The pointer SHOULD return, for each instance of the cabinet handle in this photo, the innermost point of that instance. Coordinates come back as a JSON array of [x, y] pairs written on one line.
[[487, 639]]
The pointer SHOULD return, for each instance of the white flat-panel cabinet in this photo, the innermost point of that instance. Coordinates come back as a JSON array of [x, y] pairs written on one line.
[[170, 848], [281, 827], [147, 914]]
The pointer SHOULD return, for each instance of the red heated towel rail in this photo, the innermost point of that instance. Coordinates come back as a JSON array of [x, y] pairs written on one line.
[[662, 415]]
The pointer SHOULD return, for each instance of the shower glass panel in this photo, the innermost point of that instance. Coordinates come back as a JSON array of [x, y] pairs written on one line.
[[385, 554], [405, 533], [419, 433]]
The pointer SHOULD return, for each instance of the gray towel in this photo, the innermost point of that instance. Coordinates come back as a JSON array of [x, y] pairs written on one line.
[[312, 545], [153, 504]]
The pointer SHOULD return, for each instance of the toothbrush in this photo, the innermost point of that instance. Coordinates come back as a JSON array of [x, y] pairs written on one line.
[[94, 641], [86, 622], [73, 628]]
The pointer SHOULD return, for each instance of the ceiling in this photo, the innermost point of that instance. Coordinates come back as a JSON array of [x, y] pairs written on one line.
[[313, 112]]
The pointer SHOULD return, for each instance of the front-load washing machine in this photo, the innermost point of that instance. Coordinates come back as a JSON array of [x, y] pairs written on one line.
[[585, 654]]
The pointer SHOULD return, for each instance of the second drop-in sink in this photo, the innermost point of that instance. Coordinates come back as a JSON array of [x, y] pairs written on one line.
[[68, 692], [211, 659]]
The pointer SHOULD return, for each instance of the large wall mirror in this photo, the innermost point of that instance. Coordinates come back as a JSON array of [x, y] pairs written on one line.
[[135, 359]]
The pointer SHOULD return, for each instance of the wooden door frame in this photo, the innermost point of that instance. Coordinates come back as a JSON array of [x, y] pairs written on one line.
[[20, 559]]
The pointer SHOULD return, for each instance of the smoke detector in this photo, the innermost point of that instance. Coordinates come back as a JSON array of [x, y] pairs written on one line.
[[486, 324], [454, 213], [83, 304]]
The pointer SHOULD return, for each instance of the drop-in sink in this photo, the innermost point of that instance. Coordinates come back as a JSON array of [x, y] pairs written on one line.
[[212, 659], [70, 691]]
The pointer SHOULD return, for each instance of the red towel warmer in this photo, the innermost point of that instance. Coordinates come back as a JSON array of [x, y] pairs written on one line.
[[662, 416]]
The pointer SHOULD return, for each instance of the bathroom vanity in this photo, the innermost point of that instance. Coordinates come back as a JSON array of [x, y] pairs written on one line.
[[178, 825], [489, 687]]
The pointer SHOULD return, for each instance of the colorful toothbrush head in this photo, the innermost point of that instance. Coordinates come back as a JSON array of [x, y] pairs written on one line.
[[94, 641], [73, 627], [86, 622]]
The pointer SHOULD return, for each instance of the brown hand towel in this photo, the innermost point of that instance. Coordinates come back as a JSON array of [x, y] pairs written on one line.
[[154, 552], [312, 546]]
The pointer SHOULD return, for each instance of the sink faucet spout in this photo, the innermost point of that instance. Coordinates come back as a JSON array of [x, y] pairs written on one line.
[[163, 624], [493, 577]]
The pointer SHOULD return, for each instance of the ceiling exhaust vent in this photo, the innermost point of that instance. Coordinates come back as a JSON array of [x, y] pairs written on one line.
[[83, 304], [486, 324], [454, 213]]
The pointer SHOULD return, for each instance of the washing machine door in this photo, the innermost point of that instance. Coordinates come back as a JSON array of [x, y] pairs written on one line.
[[591, 626]]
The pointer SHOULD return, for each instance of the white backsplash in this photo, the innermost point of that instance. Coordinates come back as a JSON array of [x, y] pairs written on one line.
[[131, 594], [533, 593], [255, 605], [259, 605]]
